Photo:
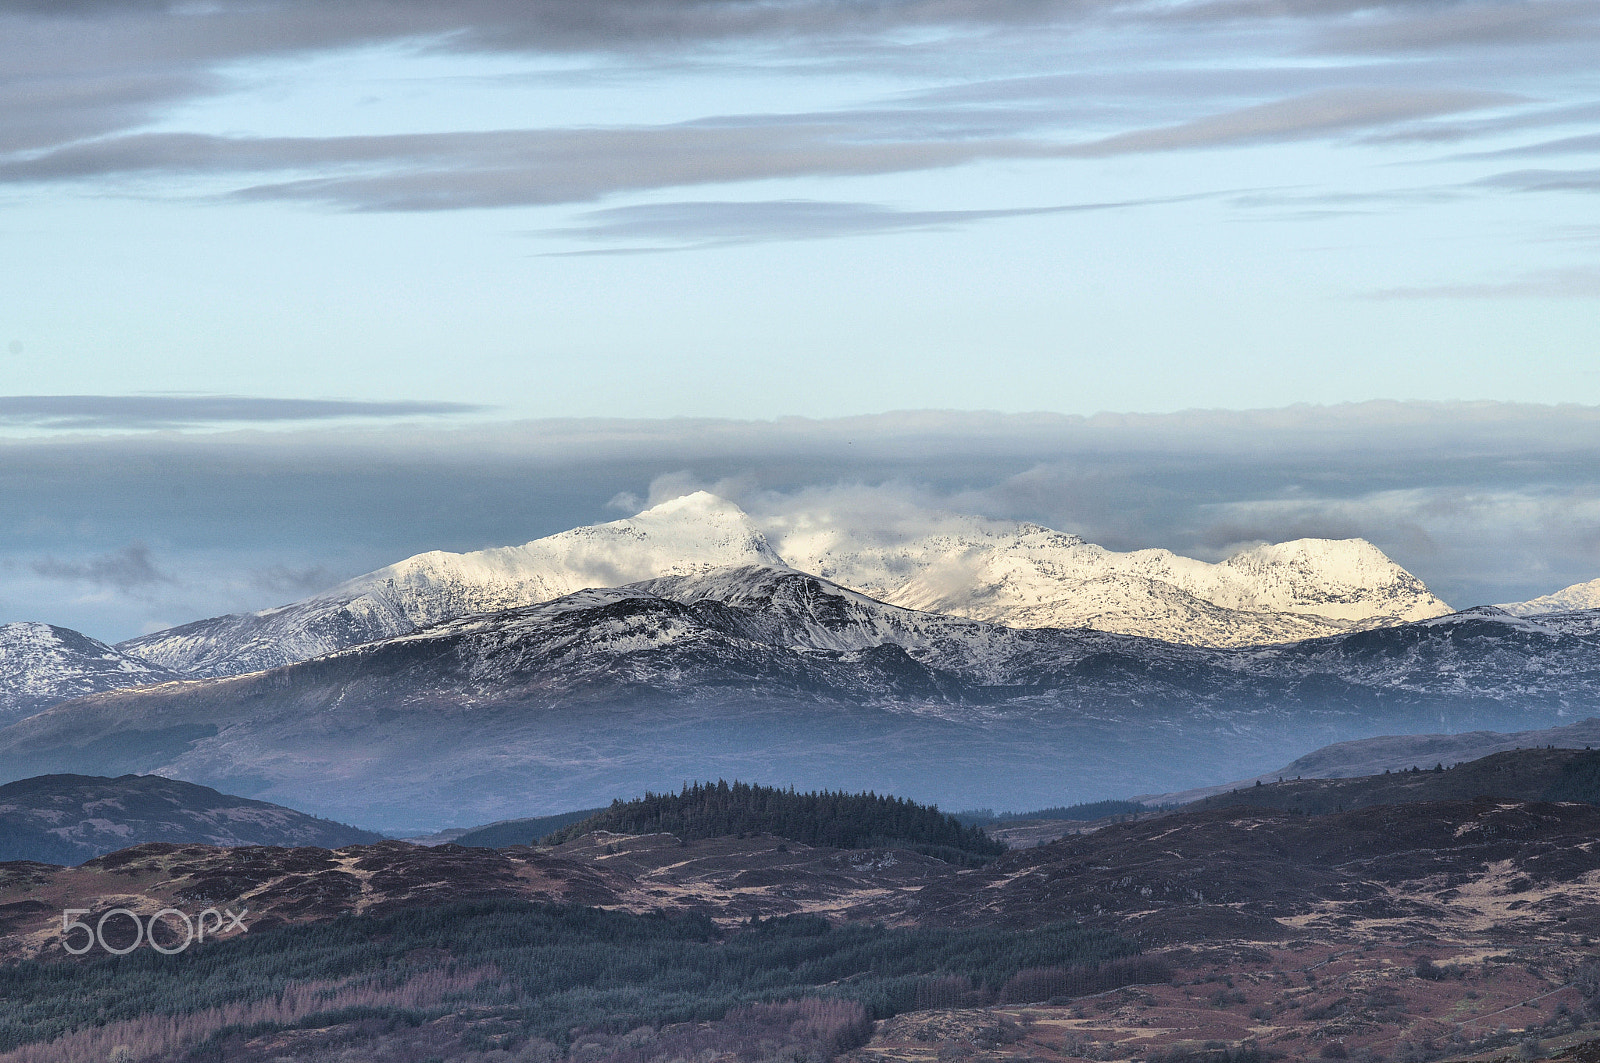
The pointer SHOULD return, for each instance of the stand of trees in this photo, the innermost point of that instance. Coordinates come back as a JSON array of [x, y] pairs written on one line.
[[839, 819]]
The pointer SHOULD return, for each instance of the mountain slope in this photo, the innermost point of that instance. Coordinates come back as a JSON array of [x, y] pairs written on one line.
[[67, 819], [778, 676], [687, 534], [1579, 596], [1029, 576], [41, 665]]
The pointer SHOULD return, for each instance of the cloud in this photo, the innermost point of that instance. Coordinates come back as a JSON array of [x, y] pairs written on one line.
[[1487, 502], [74, 412], [1315, 114], [294, 583], [1573, 283], [129, 569], [1433, 28], [526, 167], [1546, 181], [706, 224]]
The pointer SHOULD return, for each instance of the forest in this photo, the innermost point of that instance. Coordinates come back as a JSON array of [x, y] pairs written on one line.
[[508, 975]]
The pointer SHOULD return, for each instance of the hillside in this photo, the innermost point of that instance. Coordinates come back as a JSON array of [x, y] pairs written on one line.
[[67, 819], [1464, 925], [1517, 775], [520, 831]]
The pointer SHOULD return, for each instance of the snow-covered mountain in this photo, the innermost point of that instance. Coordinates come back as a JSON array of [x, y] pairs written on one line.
[[1571, 599], [1025, 575], [772, 674], [41, 665], [687, 534], [1020, 575]]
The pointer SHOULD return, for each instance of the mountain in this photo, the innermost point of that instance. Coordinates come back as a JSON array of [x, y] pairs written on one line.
[[67, 819], [690, 533], [41, 665], [1018, 575], [778, 676], [1025, 575], [1579, 596]]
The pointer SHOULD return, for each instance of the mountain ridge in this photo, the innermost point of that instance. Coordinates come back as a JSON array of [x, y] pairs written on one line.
[[644, 686], [1022, 575]]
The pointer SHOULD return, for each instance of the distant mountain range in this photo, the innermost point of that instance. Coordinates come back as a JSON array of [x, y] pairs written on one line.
[[687, 534], [680, 644], [770, 674], [1021, 575], [67, 819]]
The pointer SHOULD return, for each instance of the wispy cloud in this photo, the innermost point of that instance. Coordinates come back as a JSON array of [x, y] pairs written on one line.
[[130, 569], [706, 224], [74, 412], [1578, 282], [504, 168]]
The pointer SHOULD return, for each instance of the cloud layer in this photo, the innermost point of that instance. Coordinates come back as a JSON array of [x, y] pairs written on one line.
[[1486, 502]]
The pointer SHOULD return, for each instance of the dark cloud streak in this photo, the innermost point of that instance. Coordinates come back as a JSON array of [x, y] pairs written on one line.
[[77, 412]]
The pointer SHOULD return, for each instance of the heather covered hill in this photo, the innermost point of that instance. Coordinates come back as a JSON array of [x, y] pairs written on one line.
[[67, 819], [837, 819]]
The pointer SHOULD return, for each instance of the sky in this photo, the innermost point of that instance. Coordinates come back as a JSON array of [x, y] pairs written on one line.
[[294, 289], [766, 208]]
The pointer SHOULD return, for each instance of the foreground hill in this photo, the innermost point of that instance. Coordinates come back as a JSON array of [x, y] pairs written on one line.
[[638, 688], [67, 819], [42, 665], [1401, 932]]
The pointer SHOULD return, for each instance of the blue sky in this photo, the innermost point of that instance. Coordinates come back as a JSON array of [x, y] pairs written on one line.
[[294, 289], [725, 208]]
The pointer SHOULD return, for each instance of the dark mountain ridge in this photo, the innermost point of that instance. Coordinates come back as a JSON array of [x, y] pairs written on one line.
[[564, 704]]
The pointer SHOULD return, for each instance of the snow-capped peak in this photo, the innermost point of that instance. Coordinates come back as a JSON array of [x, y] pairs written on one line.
[[1570, 599], [41, 664], [684, 535], [691, 533], [1026, 575]]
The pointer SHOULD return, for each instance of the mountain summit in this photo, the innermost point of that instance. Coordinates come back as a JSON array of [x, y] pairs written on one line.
[[1025, 575], [690, 534], [41, 664], [1018, 575]]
